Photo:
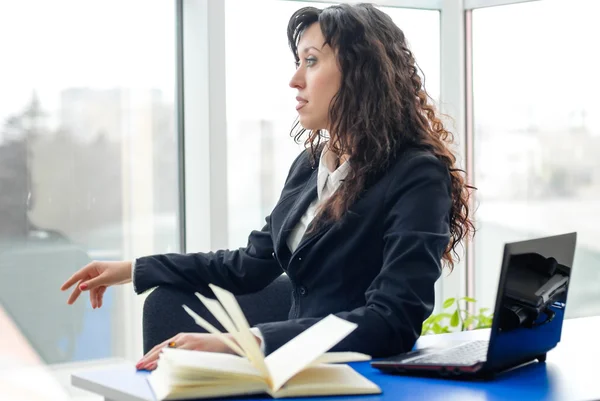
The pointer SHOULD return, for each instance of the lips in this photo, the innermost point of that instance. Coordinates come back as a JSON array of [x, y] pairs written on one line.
[[301, 102]]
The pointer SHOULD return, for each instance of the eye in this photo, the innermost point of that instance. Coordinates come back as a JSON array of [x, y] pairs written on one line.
[[310, 61]]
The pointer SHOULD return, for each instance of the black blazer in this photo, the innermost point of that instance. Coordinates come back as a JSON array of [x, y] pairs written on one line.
[[376, 267]]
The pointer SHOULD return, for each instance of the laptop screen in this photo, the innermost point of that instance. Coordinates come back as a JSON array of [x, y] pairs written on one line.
[[531, 299]]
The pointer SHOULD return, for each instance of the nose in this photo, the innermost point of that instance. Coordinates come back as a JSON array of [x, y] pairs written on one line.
[[297, 81]]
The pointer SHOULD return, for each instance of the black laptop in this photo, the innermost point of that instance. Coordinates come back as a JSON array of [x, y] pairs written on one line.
[[527, 321]]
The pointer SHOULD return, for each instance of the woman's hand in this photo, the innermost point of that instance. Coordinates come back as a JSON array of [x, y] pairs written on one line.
[[96, 277], [190, 341]]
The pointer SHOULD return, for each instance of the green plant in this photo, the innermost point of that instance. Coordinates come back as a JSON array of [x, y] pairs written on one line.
[[459, 320]]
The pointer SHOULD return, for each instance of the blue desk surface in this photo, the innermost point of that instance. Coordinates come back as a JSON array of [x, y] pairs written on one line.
[[572, 372]]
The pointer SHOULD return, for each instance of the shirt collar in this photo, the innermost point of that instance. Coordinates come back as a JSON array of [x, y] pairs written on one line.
[[328, 176]]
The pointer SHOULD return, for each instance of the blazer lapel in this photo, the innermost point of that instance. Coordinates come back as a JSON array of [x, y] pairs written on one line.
[[307, 239], [303, 200]]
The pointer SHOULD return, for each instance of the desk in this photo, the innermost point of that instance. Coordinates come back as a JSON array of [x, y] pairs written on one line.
[[572, 372]]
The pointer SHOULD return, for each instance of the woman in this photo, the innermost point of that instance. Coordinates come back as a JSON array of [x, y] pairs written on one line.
[[368, 214]]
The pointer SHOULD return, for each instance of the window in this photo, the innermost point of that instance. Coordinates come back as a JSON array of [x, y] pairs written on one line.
[[260, 104], [537, 137], [88, 164]]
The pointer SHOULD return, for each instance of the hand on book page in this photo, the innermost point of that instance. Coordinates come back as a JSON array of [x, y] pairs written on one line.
[[243, 335], [213, 330], [300, 367]]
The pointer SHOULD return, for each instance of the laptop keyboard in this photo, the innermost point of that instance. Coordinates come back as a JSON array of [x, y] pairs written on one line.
[[465, 354]]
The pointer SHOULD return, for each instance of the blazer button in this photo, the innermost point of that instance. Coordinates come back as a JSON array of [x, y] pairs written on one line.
[[302, 290], [273, 255], [299, 259]]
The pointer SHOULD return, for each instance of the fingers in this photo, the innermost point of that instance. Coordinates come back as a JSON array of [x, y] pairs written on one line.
[[93, 299], [74, 295], [90, 276], [160, 346], [95, 282], [187, 341], [148, 362], [77, 276], [96, 295], [100, 295]]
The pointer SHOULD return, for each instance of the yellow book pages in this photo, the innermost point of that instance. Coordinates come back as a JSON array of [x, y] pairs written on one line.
[[164, 390], [213, 330], [326, 380], [341, 357], [243, 336], [203, 381], [182, 374], [216, 309], [304, 349], [213, 363]]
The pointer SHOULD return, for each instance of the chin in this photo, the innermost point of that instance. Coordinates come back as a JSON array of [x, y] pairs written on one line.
[[309, 124]]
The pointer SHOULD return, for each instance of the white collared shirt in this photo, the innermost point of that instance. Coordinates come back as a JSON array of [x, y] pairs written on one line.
[[328, 181]]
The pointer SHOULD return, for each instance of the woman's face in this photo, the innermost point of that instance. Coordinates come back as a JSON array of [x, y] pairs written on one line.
[[317, 79]]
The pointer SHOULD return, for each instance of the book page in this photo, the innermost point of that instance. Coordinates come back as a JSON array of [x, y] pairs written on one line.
[[341, 357], [327, 380], [245, 340], [213, 330], [219, 313], [244, 336], [164, 388], [304, 349], [199, 374], [212, 363]]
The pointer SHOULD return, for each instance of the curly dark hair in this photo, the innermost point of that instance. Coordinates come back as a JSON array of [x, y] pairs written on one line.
[[392, 113]]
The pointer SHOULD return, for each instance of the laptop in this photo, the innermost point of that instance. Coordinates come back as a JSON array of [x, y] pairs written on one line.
[[527, 320]]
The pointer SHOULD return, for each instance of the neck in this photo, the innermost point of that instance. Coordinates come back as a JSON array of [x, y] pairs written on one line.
[[335, 159]]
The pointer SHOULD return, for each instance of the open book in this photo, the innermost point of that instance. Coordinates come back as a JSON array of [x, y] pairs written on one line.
[[301, 367]]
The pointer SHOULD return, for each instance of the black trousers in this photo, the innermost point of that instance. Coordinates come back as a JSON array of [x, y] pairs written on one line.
[[164, 317]]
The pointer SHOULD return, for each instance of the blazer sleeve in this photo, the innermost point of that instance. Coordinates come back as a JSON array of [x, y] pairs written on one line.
[[242, 271], [401, 297]]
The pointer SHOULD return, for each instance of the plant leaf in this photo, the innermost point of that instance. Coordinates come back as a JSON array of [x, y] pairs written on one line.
[[482, 310], [468, 299], [441, 316], [448, 303], [484, 322], [454, 319], [469, 321]]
